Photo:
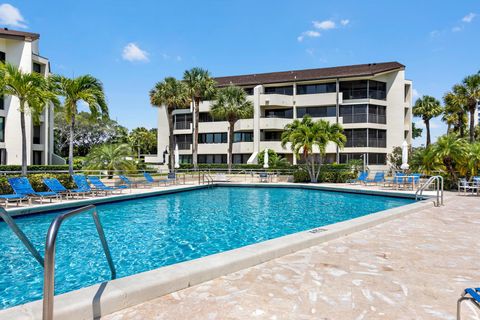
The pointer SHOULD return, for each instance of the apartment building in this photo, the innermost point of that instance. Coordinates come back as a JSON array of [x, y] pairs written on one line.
[[21, 49], [371, 101]]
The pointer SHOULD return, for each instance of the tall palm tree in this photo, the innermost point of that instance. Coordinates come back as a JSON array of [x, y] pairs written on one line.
[[427, 107], [110, 157], [231, 104], [201, 86], [451, 151], [469, 94], [306, 135], [33, 92], [454, 114], [474, 158], [172, 94], [84, 88]]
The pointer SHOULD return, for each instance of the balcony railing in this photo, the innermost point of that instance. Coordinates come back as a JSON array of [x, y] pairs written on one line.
[[364, 118], [184, 145], [182, 125]]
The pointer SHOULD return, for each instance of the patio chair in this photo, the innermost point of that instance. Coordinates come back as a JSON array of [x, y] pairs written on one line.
[[12, 197], [149, 179], [413, 179], [21, 186], [263, 176], [56, 186], [469, 294], [397, 180], [378, 178], [464, 186], [362, 176], [82, 183], [100, 186], [172, 177], [129, 183]]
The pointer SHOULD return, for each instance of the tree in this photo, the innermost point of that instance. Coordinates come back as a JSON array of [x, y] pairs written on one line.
[[469, 94], [143, 140], [33, 92], [201, 86], [87, 133], [473, 158], [84, 88], [427, 107], [416, 132], [172, 94], [110, 157], [454, 114], [231, 104], [424, 160], [274, 159], [306, 135], [451, 151]]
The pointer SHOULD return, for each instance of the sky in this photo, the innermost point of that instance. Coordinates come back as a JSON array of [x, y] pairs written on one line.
[[131, 45]]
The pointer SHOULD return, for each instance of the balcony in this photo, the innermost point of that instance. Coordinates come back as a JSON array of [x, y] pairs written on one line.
[[280, 100], [274, 123], [183, 125], [242, 147], [318, 99], [244, 125], [274, 145]]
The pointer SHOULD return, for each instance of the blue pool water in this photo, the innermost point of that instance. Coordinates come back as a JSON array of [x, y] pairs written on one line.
[[149, 233]]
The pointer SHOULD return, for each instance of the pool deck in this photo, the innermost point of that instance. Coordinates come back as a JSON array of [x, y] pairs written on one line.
[[413, 267]]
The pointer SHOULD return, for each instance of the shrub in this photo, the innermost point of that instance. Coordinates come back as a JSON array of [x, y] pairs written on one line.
[[332, 173], [300, 175], [38, 168]]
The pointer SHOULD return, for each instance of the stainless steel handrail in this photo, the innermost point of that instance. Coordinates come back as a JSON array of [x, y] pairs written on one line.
[[438, 187], [49, 272], [20, 235]]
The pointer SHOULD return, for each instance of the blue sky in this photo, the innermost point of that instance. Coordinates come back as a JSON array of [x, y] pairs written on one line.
[[130, 45]]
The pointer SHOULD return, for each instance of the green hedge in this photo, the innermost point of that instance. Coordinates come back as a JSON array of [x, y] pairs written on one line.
[[332, 173], [36, 181], [38, 168], [220, 166]]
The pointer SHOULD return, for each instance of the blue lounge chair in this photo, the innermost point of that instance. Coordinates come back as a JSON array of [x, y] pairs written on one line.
[[362, 176], [21, 186], [470, 294], [129, 183], [100, 186], [82, 183], [378, 178], [149, 179], [12, 197], [56, 186]]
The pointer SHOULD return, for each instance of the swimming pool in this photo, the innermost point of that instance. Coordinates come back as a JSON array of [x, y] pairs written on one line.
[[149, 233]]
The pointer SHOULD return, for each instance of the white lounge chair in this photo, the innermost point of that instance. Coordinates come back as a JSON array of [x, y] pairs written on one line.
[[465, 186]]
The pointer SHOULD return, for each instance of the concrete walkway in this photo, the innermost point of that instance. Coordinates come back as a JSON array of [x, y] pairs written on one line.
[[409, 268]]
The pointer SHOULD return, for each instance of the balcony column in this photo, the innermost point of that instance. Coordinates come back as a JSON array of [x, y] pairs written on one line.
[[256, 118], [295, 99], [337, 113]]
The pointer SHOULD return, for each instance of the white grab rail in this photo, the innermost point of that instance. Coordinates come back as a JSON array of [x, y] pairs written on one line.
[[438, 180]]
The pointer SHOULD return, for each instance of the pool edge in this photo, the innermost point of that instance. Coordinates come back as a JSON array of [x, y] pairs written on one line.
[[102, 299]]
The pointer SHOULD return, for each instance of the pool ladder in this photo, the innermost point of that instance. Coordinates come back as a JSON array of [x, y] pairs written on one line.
[[438, 180], [48, 263], [208, 178]]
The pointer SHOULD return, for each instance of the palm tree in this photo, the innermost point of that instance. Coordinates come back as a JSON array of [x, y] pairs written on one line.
[[469, 94], [84, 88], [427, 107], [306, 135], [33, 92], [231, 104], [451, 151], [474, 158], [172, 94], [424, 160], [201, 86], [110, 157], [454, 114]]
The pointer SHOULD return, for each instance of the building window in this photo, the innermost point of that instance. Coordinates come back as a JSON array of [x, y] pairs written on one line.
[[317, 112], [357, 113], [377, 90], [37, 133], [183, 121], [220, 137], [2, 129], [248, 91], [279, 113], [37, 67], [377, 138], [272, 136], [185, 158], [240, 158], [212, 158], [37, 157], [356, 138], [372, 158], [243, 136], [2, 56], [183, 141], [207, 117], [287, 90], [317, 88], [3, 156]]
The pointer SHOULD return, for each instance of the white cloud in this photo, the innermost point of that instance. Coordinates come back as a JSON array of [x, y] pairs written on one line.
[[344, 22], [456, 29], [324, 25], [469, 17], [132, 52], [178, 58], [11, 16], [309, 34], [415, 94]]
